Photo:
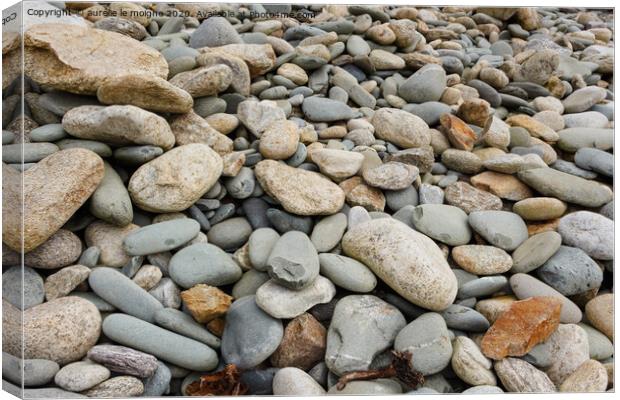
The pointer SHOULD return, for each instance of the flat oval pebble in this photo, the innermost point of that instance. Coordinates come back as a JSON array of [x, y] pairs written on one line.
[[81, 375], [203, 263], [160, 237], [535, 251], [347, 273], [165, 345], [482, 260]]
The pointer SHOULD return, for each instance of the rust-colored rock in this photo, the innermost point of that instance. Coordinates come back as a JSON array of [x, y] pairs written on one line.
[[502, 185], [525, 324], [357, 193], [303, 344], [458, 132], [206, 302]]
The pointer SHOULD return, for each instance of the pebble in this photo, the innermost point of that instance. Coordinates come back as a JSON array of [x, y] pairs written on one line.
[[569, 188], [519, 376], [75, 173], [347, 350], [525, 286], [159, 382], [64, 281], [165, 345], [123, 360], [591, 376], [300, 192], [595, 160], [535, 251], [599, 311], [347, 273], [428, 340], [379, 387], [571, 262], [470, 364], [539, 208], [303, 344], [465, 319], [481, 259], [36, 372], [61, 249], [401, 128], [413, 255], [203, 263], [320, 109], [179, 322], [282, 302], [444, 223], [295, 382], [22, 287], [591, 232], [81, 375], [293, 261], [250, 335], [159, 186], [160, 237], [426, 84], [501, 228], [116, 387], [74, 325]]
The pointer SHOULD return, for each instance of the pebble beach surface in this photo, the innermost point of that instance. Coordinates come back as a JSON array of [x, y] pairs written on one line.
[[292, 200]]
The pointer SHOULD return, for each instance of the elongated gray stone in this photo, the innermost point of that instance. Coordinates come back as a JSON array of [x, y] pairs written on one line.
[[503, 229], [160, 237], [163, 344], [347, 273], [182, 323], [570, 188], [123, 293], [203, 263]]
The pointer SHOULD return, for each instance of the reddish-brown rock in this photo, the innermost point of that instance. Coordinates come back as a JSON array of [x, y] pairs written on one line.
[[303, 344], [206, 302], [525, 324], [459, 133]]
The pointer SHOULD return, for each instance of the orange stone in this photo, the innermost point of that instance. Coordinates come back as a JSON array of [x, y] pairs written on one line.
[[303, 344], [357, 193], [502, 185], [458, 132], [206, 302], [525, 324], [547, 226]]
